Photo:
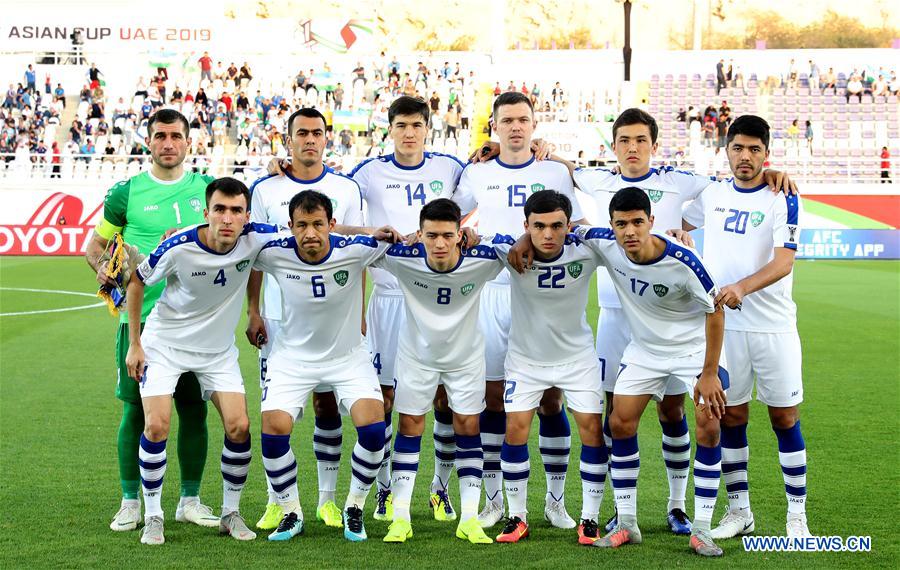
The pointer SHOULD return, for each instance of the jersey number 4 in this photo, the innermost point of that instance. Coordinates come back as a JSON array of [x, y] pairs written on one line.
[[220, 278]]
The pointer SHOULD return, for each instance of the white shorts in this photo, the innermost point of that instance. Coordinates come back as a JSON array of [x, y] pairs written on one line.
[[776, 361], [384, 320], [641, 373], [579, 380], [216, 371], [416, 387], [494, 319], [613, 335], [290, 381]]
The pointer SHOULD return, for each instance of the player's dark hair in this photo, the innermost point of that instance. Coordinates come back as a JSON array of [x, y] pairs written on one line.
[[628, 200], [749, 126], [309, 113], [440, 210], [546, 201], [228, 186], [511, 98], [406, 105], [635, 116], [168, 117], [309, 201]]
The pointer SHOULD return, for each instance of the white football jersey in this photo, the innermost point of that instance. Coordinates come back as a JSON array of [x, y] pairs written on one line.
[[322, 302], [742, 228], [665, 301], [395, 194], [441, 330], [668, 189], [201, 304], [499, 192], [270, 197], [548, 324]]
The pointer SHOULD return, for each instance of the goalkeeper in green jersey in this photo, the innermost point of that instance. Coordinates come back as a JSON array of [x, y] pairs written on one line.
[[142, 209]]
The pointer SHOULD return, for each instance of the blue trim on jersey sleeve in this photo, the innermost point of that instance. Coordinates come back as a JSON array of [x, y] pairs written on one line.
[[572, 239], [257, 182], [692, 261], [361, 164], [640, 178], [455, 159], [748, 190], [259, 228], [790, 246], [340, 241], [503, 238], [600, 233], [177, 239], [514, 166], [402, 250], [793, 209], [480, 251], [286, 243]]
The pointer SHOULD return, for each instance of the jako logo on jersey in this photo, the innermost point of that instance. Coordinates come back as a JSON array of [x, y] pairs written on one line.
[[422, 285], [660, 290], [242, 265], [195, 204], [392, 187], [198, 273], [151, 208], [757, 218], [436, 186], [574, 269], [341, 277], [537, 188], [467, 288], [655, 195]]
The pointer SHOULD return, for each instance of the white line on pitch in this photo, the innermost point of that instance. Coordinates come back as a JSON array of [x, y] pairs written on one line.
[[53, 292]]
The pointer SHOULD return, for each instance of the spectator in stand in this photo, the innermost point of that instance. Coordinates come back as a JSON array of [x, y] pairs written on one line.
[[511, 87], [360, 73], [722, 123], [451, 121], [720, 76], [60, 94], [809, 136], [177, 96], [724, 108], [557, 93], [894, 84], [709, 130], [880, 86], [245, 76], [437, 126], [524, 89], [681, 117], [160, 80], [854, 88], [48, 85], [30, 79], [94, 75], [232, 73], [218, 73], [87, 149], [813, 76], [205, 67], [729, 72], [827, 81], [886, 166], [497, 90], [790, 81], [200, 99], [346, 140], [55, 160], [338, 96], [793, 132], [10, 99]]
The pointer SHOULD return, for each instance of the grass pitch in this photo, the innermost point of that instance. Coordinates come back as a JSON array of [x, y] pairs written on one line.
[[59, 483]]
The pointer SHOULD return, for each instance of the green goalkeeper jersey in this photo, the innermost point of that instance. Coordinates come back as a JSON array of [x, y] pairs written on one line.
[[143, 208]]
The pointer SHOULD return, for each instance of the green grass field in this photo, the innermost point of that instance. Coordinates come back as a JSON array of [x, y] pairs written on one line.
[[59, 484]]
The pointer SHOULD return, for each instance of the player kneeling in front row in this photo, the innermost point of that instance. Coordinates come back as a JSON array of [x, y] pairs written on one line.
[[191, 329], [551, 346], [668, 298], [320, 344], [440, 343]]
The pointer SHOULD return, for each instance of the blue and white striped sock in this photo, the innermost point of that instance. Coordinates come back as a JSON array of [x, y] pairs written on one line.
[[707, 472], [792, 456], [444, 450], [384, 474], [152, 463], [469, 464], [516, 470], [235, 466], [555, 442], [365, 462], [624, 468], [493, 430], [327, 441], [735, 455], [593, 479], [281, 471], [676, 451], [404, 465]]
